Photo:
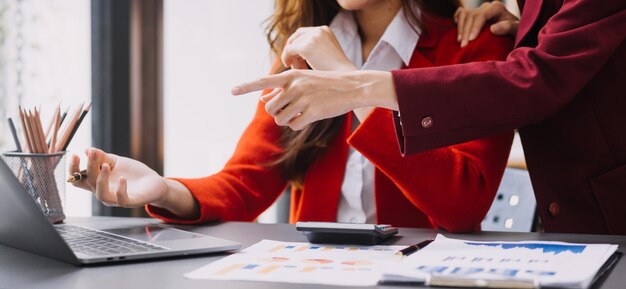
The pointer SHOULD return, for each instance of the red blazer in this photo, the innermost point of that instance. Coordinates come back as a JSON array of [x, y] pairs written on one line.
[[564, 85], [450, 188]]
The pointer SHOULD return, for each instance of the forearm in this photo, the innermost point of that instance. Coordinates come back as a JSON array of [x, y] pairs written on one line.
[[474, 100], [179, 201]]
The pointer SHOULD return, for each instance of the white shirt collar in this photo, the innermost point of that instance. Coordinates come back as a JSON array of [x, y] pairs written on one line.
[[400, 35]]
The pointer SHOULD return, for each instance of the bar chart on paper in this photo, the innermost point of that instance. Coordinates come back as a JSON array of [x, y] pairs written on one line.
[[302, 263], [542, 248], [541, 263]]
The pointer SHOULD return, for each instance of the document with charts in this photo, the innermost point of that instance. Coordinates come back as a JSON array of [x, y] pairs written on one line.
[[297, 262], [539, 263]]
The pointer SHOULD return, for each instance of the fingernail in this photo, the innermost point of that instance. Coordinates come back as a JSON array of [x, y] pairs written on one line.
[[235, 90], [472, 36]]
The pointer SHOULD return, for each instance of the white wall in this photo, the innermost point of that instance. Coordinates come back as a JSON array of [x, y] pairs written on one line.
[[210, 46], [56, 68]]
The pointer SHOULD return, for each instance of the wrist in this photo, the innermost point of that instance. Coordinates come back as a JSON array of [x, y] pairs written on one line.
[[375, 88], [179, 200]]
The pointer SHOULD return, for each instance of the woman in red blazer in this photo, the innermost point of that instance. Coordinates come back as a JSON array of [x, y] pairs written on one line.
[[562, 87], [450, 188]]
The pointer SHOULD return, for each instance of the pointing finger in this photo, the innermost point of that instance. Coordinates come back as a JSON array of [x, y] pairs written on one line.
[[271, 81]]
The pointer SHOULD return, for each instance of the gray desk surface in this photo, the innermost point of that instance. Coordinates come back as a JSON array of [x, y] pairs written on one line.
[[19, 269]]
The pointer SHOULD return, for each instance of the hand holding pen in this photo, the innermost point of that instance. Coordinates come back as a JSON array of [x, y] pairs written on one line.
[[124, 182], [108, 176]]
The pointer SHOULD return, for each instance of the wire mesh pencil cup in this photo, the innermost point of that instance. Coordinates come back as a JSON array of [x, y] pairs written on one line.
[[43, 177]]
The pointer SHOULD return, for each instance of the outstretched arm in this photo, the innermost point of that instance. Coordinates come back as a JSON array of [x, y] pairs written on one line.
[[466, 101], [123, 182], [469, 101]]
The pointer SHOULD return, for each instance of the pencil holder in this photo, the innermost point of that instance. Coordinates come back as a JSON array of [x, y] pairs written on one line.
[[43, 177]]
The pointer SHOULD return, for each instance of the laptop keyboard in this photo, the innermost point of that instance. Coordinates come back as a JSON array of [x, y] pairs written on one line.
[[96, 243]]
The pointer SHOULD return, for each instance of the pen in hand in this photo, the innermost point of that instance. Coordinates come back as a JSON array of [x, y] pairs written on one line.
[[77, 176], [413, 248]]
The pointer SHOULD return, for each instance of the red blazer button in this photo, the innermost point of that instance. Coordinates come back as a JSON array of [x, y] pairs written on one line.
[[427, 122], [554, 209]]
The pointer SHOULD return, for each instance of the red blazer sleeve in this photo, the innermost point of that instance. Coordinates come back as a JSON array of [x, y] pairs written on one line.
[[474, 100], [246, 186], [454, 186]]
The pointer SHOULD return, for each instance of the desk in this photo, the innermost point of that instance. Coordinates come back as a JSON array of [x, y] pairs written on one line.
[[19, 269]]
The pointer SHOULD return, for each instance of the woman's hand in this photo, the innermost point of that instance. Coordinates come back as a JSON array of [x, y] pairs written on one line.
[[124, 182], [316, 46], [471, 21], [301, 97]]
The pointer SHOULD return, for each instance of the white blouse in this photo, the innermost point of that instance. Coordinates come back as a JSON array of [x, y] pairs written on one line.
[[393, 51]]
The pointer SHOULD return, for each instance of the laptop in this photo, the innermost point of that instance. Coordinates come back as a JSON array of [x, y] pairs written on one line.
[[23, 226]]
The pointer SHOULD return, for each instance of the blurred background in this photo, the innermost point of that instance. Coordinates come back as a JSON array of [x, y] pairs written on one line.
[[158, 73]]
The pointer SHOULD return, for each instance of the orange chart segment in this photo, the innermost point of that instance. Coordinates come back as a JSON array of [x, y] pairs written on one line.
[[308, 269], [269, 269], [229, 269], [317, 261], [276, 249]]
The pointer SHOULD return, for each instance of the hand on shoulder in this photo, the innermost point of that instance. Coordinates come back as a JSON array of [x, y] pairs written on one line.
[[471, 21]]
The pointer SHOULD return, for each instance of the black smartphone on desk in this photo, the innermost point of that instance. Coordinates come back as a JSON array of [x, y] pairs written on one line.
[[345, 233]]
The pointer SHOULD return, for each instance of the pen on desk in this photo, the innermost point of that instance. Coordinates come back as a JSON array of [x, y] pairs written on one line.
[[77, 176], [413, 248]]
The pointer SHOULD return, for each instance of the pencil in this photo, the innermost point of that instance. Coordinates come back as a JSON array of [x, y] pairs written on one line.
[[40, 133], [18, 146], [55, 131], [31, 131], [52, 122], [80, 120], [64, 115], [27, 144], [68, 127]]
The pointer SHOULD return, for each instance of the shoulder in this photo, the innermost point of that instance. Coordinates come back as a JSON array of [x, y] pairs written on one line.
[[486, 46], [488, 42]]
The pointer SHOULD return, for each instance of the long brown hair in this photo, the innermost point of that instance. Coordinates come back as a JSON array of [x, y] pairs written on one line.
[[302, 147]]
